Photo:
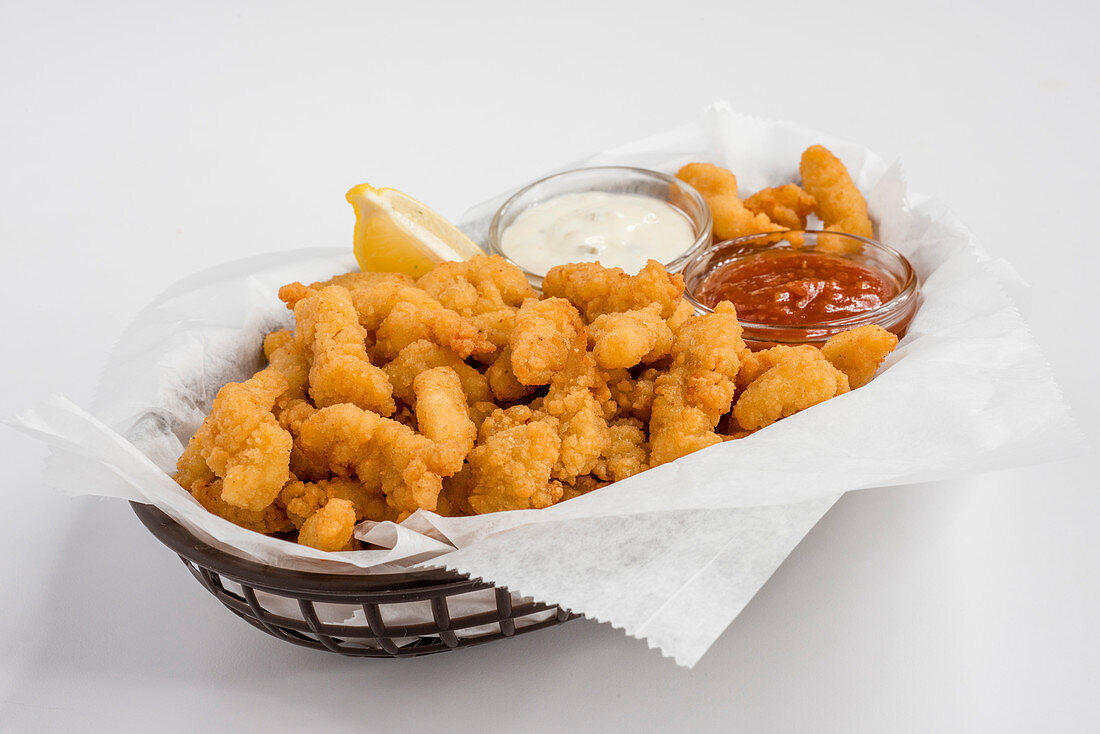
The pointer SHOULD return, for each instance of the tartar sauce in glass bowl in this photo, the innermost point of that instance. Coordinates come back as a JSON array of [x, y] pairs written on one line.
[[617, 215], [618, 230]]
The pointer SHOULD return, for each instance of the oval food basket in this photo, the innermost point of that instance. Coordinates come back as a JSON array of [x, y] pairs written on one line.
[[370, 615]]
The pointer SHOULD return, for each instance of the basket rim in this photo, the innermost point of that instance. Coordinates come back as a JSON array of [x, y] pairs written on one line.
[[285, 581]]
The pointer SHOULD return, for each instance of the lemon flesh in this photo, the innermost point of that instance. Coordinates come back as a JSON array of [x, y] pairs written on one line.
[[397, 234]]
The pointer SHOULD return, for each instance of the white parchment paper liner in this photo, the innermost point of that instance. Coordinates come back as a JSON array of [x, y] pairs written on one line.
[[671, 555]]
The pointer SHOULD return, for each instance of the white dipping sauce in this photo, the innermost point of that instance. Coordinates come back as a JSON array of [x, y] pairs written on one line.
[[619, 230]]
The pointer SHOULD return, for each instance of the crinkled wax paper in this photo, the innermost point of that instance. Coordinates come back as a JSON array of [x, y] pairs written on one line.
[[671, 555]]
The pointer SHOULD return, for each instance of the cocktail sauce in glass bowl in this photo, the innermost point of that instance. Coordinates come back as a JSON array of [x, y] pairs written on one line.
[[803, 294]]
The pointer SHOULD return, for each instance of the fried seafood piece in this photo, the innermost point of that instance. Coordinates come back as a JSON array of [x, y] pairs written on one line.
[[191, 467], [291, 414], [291, 293], [270, 519], [698, 388], [242, 443], [379, 451], [358, 280], [801, 379], [596, 290], [503, 382], [711, 342], [444, 418], [502, 419], [510, 469], [580, 400], [859, 352], [396, 312], [331, 527], [408, 322], [290, 357], [755, 364], [634, 396], [543, 338], [626, 453], [374, 297], [424, 355], [481, 285], [787, 205], [328, 325], [627, 338], [719, 187], [676, 428], [840, 205], [301, 499], [684, 311], [686, 409], [496, 326]]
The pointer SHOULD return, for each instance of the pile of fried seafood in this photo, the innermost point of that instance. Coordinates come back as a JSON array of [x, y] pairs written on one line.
[[466, 391]]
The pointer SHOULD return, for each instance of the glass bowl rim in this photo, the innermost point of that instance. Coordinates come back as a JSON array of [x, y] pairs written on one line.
[[702, 237], [907, 290]]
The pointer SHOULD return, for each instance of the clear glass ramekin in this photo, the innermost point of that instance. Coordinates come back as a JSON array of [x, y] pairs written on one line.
[[609, 179], [894, 315]]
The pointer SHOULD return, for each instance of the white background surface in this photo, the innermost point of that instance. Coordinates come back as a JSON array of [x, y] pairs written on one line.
[[140, 143]]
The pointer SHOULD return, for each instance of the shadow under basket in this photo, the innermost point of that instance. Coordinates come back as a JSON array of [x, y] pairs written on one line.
[[369, 615]]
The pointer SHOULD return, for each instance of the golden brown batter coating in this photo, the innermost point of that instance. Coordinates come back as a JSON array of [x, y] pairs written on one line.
[[801, 379], [510, 470], [718, 186], [787, 205], [840, 205], [443, 418], [859, 352], [424, 355], [270, 519], [330, 528], [596, 290], [544, 336], [341, 372], [698, 389], [379, 451], [480, 285], [625, 339], [242, 443]]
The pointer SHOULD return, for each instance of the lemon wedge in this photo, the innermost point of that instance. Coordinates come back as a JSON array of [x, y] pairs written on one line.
[[395, 233]]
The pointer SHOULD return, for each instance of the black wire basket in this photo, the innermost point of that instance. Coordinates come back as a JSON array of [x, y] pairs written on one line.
[[370, 615]]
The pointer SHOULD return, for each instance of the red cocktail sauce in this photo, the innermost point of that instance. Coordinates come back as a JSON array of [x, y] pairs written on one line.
[[795, 289]]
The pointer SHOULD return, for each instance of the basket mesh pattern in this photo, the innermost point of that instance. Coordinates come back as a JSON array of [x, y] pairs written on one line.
[[396, 615]]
